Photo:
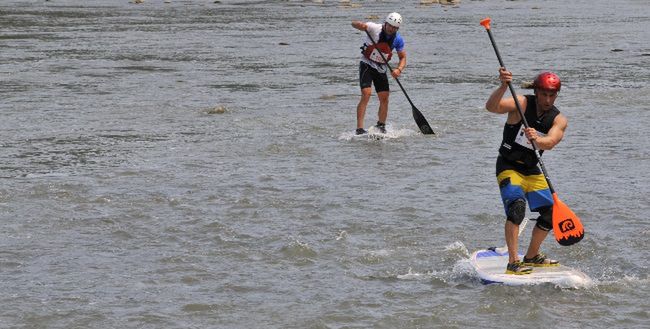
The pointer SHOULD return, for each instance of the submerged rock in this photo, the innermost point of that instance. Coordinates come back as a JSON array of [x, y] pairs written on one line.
[[217, 110], [526, 85], [348, 4], [327, 97]]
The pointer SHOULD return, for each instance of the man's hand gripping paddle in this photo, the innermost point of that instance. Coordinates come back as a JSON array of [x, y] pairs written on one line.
[[417, 115], [567, 227]]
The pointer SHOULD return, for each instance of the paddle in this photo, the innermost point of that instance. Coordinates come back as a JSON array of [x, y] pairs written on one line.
[[567, 227], [417, 115]]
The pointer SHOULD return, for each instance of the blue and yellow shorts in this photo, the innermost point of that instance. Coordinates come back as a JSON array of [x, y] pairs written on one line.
[[528, 184]]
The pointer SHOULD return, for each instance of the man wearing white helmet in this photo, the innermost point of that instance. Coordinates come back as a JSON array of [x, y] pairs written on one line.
[[372, 68]]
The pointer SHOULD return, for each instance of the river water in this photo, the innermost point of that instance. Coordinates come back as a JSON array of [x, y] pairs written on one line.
[[191, 164]]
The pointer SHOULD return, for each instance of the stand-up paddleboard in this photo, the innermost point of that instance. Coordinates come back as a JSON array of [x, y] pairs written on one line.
[[372, 133], [375, 134], [490, 265], [379, 136]]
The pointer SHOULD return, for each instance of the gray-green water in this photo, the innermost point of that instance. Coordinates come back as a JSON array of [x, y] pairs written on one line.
[[126, 201]]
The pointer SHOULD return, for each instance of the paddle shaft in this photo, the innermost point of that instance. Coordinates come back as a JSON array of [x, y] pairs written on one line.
[[521, 113], [419, 118]]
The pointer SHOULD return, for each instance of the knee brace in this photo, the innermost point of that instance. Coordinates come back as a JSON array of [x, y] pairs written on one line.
[[516, 211], [545, 219]]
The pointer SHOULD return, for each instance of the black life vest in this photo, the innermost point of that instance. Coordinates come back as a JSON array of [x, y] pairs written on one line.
[[384, 45], [514, 151]]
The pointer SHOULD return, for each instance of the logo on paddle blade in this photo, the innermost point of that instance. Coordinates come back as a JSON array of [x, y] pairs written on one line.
[[567, 225]]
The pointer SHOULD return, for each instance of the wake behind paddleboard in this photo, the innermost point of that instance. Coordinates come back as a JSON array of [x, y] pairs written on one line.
[[490, 265]]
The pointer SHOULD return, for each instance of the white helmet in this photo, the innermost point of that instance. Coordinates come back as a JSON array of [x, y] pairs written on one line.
[[394, 19]]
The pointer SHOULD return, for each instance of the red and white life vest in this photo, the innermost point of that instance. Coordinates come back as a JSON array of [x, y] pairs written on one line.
[[371, 52]]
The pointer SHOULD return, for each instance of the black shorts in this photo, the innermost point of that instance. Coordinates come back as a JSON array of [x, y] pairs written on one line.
[[369, 75]]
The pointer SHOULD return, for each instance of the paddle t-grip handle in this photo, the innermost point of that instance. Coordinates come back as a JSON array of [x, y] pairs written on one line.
[[486, 22]]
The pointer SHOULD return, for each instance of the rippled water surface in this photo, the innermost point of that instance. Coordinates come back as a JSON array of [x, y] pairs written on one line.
[[190, 164]]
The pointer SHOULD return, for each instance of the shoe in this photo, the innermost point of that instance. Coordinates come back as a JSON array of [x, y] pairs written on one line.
[[540, 261], [518, 268], [381, 126], [361, 131]]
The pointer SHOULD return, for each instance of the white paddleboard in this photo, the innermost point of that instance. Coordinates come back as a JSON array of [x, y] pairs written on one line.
[[490, 265], [369, 136], [373, 133]]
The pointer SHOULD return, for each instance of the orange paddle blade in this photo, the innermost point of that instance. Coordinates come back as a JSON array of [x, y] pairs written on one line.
[[486, 22], [567, 227]]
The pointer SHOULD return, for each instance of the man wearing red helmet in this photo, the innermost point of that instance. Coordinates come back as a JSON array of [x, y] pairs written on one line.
[[518, 175], [372, 68]]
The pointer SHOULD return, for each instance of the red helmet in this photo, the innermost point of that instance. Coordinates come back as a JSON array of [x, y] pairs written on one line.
[[547, 81]]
